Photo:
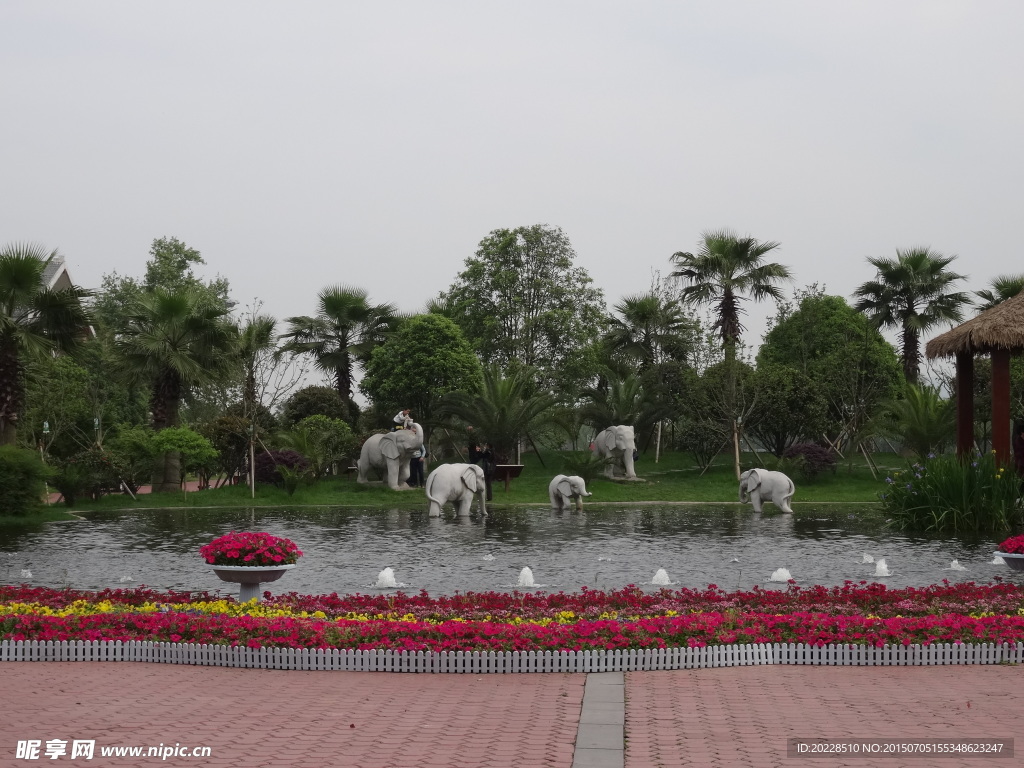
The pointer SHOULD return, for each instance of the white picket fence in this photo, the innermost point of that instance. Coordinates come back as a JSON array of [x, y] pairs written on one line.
[[507, 662]]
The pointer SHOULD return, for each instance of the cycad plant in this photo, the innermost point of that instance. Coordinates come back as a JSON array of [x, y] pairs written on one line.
[[506, 410]]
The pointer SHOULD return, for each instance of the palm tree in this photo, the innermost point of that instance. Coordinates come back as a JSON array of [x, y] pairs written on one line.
[[911, 292], [1003, 287], [34, 320], [726, 271], [255, 341], [172, 342], [647, 328], [504, 411], [344, 331]]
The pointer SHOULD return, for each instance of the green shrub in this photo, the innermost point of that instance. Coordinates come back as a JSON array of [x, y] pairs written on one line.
[[945, 495], [23, 479], [809, 460], [585, 465]]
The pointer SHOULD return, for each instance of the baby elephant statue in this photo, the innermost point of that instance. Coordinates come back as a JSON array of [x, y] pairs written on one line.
[[563, 490], [760, 485], [456, 483]]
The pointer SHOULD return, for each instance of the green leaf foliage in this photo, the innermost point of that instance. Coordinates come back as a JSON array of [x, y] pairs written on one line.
[[846, 359], [522, 300], [426, 359], [22, 481]]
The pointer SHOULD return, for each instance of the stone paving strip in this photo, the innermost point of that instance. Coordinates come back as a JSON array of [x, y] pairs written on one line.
[[739, 716]]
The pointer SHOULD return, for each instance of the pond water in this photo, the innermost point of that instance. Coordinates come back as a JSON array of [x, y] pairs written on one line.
[[603, 547]]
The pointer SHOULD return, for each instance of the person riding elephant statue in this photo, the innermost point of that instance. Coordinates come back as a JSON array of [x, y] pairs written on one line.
[[617, 445], [760, 485], [390, 453], [564, 490], [456, 483]]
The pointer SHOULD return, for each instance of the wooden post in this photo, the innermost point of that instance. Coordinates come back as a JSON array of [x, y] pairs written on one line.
[[965, 402], [1001, 405]]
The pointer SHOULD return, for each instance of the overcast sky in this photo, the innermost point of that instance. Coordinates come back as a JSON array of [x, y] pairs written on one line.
[[304, 144]]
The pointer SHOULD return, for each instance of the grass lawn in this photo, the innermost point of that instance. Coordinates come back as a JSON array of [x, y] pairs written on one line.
[[673, 479]]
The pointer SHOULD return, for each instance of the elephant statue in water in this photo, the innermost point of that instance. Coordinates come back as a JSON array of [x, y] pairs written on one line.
[[616, 444], [760, 485], [457, 483], [390, 453], [565, 489]]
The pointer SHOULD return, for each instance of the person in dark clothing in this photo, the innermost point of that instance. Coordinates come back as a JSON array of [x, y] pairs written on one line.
[[487, 464], [416, 467]]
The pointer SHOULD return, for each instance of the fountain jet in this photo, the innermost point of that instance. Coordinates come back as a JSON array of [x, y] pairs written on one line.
[[526, 578], [386, 579], [781, 575], [881, 569], [661, 577]]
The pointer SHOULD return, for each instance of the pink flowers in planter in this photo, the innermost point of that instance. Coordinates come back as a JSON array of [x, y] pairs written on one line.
[[250, 549], [1013, 545]]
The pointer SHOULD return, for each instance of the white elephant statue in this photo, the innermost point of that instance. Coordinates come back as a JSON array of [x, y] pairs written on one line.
[[760, 485], [390, 453], [617, 444], [457, 483], [566, 489]]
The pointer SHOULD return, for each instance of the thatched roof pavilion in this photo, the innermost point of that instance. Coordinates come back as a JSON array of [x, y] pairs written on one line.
[[998, 332]]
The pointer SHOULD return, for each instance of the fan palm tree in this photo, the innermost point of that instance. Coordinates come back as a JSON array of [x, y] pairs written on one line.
[[344, 332], [912, 292], [504, 411], [172, 342], [34, 320], [647, 327], [255, 340], [1003, 287], [725, 271]]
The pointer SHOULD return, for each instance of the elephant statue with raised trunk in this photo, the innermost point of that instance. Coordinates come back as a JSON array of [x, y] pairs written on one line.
[[617, 444], [761, 485], [455, 483], [565, 490], [389, 455]]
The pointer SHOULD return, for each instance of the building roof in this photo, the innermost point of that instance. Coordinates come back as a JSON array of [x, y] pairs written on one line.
[[1001, 327]]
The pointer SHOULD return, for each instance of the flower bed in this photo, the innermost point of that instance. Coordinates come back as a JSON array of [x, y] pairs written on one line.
[[866, 614]]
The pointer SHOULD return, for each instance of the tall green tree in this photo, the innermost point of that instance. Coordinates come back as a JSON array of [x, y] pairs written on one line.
[[521, 300], [1002, 288], [912, 293], [170, 268], [172, 342], [507, 408], [34, 320], [341, 336], [848, 361], [725, 271], [427, 358]]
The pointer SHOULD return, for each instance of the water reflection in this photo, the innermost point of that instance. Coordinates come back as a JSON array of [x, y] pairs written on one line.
[[601, 548]]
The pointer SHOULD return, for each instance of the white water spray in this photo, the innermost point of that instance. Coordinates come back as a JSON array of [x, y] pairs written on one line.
[[781, 574], [881, 569], [661, 577], [526, 578]]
